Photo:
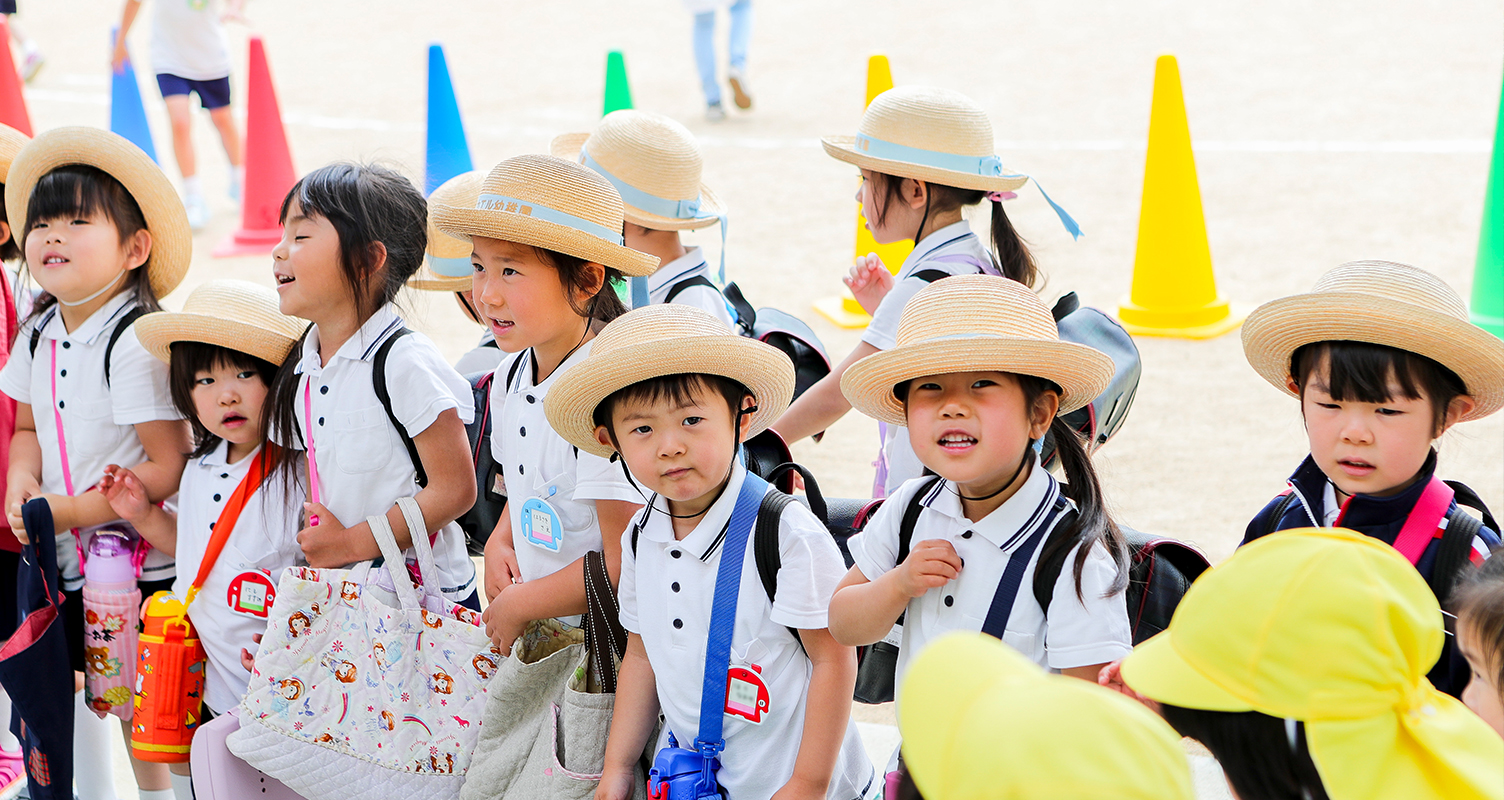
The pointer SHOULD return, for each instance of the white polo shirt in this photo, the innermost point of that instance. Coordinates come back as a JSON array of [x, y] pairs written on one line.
[[1077, 634], [264, 541], [188, 40], [97, 419], [482, 358], [691, 264], [363, 465], [952, 240], [666, 593]]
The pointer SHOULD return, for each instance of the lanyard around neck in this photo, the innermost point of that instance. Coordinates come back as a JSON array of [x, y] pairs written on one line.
[[313, 463]]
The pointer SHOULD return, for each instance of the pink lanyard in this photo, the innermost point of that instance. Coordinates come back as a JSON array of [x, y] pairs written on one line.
[[313, 464]]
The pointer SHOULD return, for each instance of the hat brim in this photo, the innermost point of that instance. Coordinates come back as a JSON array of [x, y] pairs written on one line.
[[567, 146], [166, 220], [465, 223], [765, 370], [429, 282], [1275, 330], [1158, 671], [11, 142], [159, 329], [843, 148], [1081, 372]]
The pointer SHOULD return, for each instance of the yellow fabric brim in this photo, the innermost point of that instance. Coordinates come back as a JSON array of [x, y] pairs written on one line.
[[465, 223], [1156, 670], [843, 148]]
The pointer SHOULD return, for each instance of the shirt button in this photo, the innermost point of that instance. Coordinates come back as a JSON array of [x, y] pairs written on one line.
[[966, 535], [678, 623], [520, 470], [950, 600], [211, 526], [321, 421], [62, 404], [531, 399], [675, 587], [224, 474], [67, 345], [216, 498], [523, 431], [675, 553], [323, 390], [63, 374]]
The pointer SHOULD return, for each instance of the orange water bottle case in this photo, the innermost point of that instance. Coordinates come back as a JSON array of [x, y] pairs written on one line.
[[169, 682]]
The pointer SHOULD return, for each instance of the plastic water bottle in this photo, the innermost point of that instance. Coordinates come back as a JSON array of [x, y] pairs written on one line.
[[169, 695], [112, 618]]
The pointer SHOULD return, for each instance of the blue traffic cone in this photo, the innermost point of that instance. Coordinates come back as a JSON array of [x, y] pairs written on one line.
[[127, 113], [448, 150]]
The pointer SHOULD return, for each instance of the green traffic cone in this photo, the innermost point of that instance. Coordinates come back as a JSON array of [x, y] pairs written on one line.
[[1488, 273], [618, 93]]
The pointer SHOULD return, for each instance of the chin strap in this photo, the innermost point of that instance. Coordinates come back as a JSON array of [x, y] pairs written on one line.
[[112, 284]]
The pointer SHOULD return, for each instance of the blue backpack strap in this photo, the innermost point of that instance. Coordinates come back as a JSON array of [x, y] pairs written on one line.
[[728, 581], [1013, 574]]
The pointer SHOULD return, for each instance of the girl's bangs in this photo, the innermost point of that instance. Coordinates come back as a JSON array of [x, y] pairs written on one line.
[[82, 192]]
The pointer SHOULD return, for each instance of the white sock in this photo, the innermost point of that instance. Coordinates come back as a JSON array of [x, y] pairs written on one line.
[[8, 740], [93, 763], [193, 187], [182, 788]]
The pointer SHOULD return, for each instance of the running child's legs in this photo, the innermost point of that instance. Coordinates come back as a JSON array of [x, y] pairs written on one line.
[[229, 135], [180, 112], [705, 56], [741, 33]]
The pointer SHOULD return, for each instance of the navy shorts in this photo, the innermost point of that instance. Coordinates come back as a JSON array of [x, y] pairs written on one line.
[[211, 94]]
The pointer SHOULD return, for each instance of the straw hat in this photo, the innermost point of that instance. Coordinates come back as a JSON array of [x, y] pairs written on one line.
[[658, 340], [447, 268], [980, 721], [929, 134], [975, 323], [550, 203], [11, 142], [237, 315], [1337, 630], [171, 240], [1379, 302], [654, 162]]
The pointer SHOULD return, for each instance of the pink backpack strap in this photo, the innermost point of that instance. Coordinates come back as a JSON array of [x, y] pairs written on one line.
[[1429, 513]]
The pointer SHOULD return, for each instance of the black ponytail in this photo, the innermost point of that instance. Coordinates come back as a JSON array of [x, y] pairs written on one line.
[[1013, 254], [1093, 523]]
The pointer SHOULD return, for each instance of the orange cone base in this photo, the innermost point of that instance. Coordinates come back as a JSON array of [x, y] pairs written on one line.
[[843, 311], [248, 243], [1207, 322]]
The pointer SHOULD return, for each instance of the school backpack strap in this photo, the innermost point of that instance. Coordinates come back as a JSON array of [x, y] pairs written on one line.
[[690, 282], [378, 381], [36, 338], [911, 518], [1453, 555], [1271, 524], [746, 316], [1006, 594], [120, 327], [930, 275], [1464, 495]]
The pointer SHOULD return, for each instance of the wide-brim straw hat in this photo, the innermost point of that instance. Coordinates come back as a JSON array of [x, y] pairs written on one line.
[[236, 315], [447, 267], [659, 340], [1384, 303], [550, 203], [11, 142], [933, 135], [975, 323], [654, 162], [166, 221]]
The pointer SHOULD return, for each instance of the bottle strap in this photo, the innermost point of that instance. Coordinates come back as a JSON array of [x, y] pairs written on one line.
[[254, 477], [728, 581], [1425, 518]]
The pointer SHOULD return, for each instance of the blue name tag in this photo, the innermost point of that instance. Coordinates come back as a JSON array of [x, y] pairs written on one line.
[[540, 524]]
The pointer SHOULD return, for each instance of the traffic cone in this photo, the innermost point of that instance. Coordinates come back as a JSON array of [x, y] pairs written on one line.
[[448, 150], [12, 102], [1488, 271], [268, 165], [127, 112], [844, 310], [1174, 291], [618, 92]]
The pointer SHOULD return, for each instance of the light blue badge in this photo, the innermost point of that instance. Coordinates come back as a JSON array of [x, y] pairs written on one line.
[[540, 523]]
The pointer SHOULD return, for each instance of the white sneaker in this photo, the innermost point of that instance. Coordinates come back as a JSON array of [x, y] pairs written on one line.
[[739, 90], [198, 212], [31, 63], [715, 112]]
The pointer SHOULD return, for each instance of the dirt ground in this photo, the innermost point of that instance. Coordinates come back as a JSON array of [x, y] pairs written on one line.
[[1325, 132]]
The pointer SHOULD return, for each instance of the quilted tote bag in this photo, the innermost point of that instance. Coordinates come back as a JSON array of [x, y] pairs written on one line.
[[549, 708], [363, 691]]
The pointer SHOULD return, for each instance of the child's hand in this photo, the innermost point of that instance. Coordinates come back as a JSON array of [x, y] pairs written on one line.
[[323, 544], [869, 282], [1111, 676], [616, 785], [20, 488], [117, 59], [246, 659], [931, 564], [125, 492], [501, 569], [502, 626]]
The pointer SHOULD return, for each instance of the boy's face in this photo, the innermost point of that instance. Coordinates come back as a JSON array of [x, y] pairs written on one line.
[[228, 401], [1482, 694], [682, 452], [973, 427], [1367, 448]]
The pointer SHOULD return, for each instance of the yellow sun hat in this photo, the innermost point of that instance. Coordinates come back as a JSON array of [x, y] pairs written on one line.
[[1336, 630], [980, 721]]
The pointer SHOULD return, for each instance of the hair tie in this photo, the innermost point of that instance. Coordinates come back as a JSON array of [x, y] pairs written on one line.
[[998, 197]]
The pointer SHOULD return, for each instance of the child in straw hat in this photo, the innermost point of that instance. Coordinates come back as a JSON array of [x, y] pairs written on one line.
[[106, 236], [546, 246], [979, 374], [353, 234], [447, 269], [655, 163], [1011, 730], [1300, 663], [925, 155], [1384, 361], [222, 353], [674, 393]]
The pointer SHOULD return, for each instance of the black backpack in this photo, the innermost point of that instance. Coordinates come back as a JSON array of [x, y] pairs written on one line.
[[777, 328], [109, 347]]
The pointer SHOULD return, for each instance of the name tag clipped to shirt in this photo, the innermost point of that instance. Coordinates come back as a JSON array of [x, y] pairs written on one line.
[[746, 694], [251, 594], [540, 523]]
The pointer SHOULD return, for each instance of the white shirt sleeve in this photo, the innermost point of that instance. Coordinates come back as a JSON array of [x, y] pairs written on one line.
[[15, 377], [1096, 631], [422, 385], [138, 384], [882, 331], [626, 589], [598, 478], [875, 550], [708, 300], [811, 567]]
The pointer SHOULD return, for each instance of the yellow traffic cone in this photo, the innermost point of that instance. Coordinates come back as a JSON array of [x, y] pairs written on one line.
[[1174, 291], [844, 310]]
